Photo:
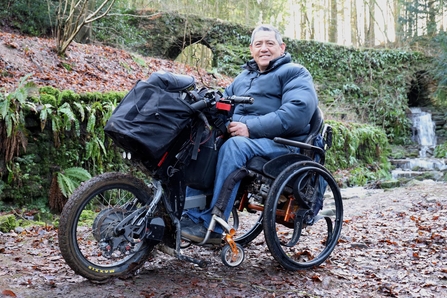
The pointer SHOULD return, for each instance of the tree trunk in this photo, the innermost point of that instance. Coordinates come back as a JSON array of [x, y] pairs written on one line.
[[333, 23], [354, 25], [431, 21], [398, 28], [369, 23]]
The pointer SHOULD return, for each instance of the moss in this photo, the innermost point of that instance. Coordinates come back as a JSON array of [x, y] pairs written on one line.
[[48, 99], [87, 217], [387, 184], [69, 96], [49, 94], [7, 223]]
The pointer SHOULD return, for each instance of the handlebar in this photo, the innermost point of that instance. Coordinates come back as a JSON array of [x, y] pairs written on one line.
[[210, 101], [241, 99], [201, 104]]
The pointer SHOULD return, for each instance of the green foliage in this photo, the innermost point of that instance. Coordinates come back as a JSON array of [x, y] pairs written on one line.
[[360, 148], [92, 97], [87, 217], [69, 179], [119, 29], [441, 151], [372, 84], [49, 95], [48, 99], [439, 70], [29, 16], [13, 104], [139, 60], [69, 96], [72, 136], [7, 223], [231, 58]]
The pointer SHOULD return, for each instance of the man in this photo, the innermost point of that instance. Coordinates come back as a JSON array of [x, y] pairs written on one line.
[[284, 102]]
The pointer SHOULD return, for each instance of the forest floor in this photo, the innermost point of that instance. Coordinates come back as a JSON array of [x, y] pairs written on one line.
[[393, 244]]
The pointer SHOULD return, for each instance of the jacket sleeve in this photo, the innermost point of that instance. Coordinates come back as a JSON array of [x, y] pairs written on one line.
[[298, 103]]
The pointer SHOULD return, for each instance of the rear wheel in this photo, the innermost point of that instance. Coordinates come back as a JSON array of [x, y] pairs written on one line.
[[96, 236], [295, 237]]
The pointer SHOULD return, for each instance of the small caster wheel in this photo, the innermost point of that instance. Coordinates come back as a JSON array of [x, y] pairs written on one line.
[[184, 243], [231, 259]]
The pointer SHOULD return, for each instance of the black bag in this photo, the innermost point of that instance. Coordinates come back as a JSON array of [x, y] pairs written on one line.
[[152, 114], [201, 169]]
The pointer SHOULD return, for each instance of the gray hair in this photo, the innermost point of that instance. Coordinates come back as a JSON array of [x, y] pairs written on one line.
[[278, 36]]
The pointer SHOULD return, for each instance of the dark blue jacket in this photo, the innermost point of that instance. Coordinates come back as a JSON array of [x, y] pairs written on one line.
[[284, 99]]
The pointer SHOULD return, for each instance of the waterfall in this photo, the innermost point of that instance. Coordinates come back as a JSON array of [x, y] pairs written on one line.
[[423, 130], [422, 167]]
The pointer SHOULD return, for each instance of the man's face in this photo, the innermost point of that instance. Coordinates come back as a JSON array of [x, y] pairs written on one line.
[[265, 48]]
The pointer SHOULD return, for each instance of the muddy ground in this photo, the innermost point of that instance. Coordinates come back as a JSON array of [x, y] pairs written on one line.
[[393, 244]]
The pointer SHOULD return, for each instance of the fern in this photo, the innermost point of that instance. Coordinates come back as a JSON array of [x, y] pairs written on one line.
[[69, 179], [67, 116], [81, 110], [45, 113]]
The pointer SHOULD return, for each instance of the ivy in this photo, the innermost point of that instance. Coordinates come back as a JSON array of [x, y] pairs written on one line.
[[361, 149]]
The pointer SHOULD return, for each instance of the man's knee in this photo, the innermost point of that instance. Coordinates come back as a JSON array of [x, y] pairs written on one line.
[[235, 151], [235, 144]]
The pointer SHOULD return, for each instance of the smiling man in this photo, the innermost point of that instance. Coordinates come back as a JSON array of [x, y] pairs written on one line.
[[284, 102]]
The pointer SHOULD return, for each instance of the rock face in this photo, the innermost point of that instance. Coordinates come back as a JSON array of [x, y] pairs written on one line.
[[419, 168]]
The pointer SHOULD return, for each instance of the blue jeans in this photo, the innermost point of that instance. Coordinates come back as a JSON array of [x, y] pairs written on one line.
[[233, 155]]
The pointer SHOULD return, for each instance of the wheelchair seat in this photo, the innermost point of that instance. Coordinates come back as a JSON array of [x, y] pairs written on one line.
[[308, 150]]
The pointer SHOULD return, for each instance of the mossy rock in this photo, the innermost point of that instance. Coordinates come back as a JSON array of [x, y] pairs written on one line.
[[388, 184], [7, 223]]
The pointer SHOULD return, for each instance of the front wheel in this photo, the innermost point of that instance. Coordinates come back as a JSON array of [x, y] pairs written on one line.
[[97, 237], [231, 258], [296, 237]]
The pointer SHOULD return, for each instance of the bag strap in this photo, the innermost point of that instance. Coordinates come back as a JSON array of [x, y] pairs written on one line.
[[195, 150]]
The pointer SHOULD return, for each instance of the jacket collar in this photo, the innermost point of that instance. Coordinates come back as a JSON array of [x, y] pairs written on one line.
[[252, 66]]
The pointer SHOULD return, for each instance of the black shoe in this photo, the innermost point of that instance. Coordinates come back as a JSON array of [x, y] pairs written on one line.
[[197, 232], [185, 221]]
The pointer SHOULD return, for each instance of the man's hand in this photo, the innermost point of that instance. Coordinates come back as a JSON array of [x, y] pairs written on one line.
[[238, 129]]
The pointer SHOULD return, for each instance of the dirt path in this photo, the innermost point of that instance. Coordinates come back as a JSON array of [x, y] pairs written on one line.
[[393, 244]]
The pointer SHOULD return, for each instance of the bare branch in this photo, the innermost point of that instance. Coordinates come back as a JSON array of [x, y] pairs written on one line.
[[68, 26]]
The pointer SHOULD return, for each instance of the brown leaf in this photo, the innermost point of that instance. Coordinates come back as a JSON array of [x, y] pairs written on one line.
[[8, 293]]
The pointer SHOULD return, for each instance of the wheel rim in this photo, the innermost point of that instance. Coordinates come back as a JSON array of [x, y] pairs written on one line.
[[317, 239], [94, 236], [230, 259]]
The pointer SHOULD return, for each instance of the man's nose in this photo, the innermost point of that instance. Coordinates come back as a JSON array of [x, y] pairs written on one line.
[[264, 47]]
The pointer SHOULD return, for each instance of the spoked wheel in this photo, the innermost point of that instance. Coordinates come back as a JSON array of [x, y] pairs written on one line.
[[98, 236], [295, 238]]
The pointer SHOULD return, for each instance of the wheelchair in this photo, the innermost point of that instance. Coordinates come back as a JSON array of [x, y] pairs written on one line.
[[112, 222], [292, 198]]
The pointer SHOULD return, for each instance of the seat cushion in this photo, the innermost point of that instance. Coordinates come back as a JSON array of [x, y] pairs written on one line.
[[275, 166]]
